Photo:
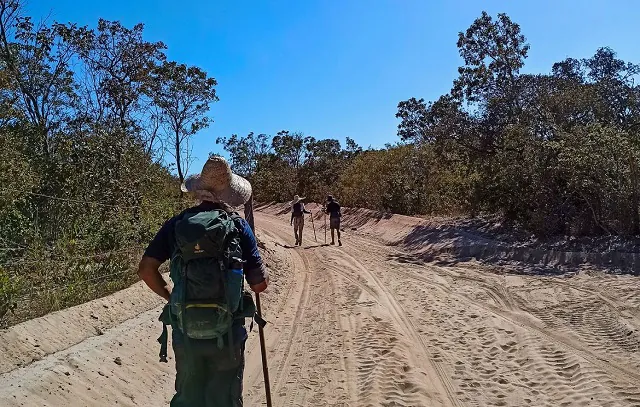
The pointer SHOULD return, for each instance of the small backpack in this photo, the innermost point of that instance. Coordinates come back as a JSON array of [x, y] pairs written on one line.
[[206, 270]]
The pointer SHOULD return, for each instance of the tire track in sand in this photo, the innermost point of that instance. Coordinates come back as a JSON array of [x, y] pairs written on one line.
[[436, 373], [440, 389], [281, 333], [497, 343], [621, 372], [506, 309], [572, 376], [308, 354]]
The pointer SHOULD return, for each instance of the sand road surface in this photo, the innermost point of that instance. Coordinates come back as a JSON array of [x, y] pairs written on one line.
[[367, 324]]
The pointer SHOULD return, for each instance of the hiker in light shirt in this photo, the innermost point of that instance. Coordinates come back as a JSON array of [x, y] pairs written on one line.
[[297, 218]]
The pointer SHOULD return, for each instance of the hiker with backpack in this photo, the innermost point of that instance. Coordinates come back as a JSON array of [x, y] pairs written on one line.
[[332, 208], [212, 250], [297, 218]]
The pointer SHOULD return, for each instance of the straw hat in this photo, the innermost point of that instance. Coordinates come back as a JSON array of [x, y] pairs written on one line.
[[217, 183], [297, 199]]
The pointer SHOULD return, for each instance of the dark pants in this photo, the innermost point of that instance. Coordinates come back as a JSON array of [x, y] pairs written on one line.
[[334, 224], [212, 377]]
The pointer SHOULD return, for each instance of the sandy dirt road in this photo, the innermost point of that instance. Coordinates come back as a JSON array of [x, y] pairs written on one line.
[[367, 324]]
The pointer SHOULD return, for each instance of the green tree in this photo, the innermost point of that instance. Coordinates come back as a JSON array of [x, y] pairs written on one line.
[[493, 52], [118, 64], [80, 189], [184, 95], [246, 152], [36, 61]]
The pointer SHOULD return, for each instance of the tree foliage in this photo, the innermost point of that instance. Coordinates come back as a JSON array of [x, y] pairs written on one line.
[[86, 115], [556, 153], [183, 96], [289, 163]]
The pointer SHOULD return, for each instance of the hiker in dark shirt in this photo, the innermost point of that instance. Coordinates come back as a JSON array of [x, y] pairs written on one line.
[[207, 374], [297, 217], [333, 209]]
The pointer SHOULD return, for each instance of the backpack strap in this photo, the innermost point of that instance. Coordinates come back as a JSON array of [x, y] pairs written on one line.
[[163, 339], [235, 217], [165, 318], [259, 320]]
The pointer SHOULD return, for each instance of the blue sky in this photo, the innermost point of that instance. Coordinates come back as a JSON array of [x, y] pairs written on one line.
[[338, 68]]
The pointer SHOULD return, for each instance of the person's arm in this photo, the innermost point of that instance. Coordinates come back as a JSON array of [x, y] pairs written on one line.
[[255, 271], [291, 209], [258, 288], [149, 272], [158, 251], [304, 210]]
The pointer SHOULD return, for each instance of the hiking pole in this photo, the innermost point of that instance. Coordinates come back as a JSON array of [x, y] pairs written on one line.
[[248, 214], [314, 228], [263, 352]]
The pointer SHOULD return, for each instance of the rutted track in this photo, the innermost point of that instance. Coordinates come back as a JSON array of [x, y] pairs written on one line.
[[428, 335], [408, 377], [598, 343]]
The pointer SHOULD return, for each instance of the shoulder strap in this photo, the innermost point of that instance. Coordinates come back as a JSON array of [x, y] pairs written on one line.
[[165, 318], [235, 217]]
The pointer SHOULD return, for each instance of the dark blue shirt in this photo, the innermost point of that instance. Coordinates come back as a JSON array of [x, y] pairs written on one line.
[[333, 208], [161, 248]]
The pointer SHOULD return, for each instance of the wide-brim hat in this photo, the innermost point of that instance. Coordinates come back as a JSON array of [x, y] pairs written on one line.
[[297, 199], [217, 183]]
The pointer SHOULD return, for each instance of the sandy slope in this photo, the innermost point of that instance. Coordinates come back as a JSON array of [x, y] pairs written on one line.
[[367, 324]]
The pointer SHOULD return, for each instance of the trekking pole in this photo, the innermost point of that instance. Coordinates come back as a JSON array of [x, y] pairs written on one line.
[[248, 214], [263, 351], [314, 228]]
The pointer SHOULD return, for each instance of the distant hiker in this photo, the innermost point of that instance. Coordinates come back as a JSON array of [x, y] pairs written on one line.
[[297, 217], [333, 209], [212, 250]]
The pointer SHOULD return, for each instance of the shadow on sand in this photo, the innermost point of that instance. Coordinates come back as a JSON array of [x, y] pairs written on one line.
[[314, 246], [287, 246], [505, 267], [450, 245]]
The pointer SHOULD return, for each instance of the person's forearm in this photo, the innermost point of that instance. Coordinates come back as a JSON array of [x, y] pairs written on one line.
[[258, 288], [256, 274], [159, 286], [149, 273]]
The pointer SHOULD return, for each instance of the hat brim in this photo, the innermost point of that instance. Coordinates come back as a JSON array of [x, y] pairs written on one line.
[[298, 200], [236, 194]]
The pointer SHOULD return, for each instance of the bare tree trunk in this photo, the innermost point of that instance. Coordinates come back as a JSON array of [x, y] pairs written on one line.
[[178, 158], [152, 138]]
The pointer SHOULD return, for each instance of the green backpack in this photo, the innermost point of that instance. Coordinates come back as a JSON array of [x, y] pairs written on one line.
[[208, 280], [206, 270]]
